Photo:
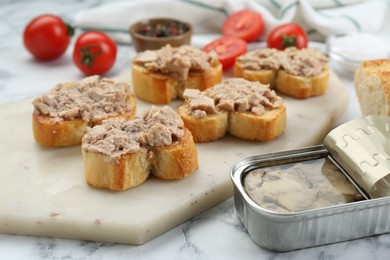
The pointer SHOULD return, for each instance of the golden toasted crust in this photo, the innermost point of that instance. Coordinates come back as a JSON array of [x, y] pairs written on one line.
[[385, 80], [302, 87], [243, 125], [205, 129], [259, 128], [372, 87], [262, 76], [174, 161], [68, 132], [376, 65], [128, 171], [50, 133], [159, 88]]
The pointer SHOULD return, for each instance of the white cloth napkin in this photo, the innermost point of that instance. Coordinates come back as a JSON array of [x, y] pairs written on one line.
[[320, 18]]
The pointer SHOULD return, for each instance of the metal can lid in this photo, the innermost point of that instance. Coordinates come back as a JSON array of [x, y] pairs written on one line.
[[362, 148]]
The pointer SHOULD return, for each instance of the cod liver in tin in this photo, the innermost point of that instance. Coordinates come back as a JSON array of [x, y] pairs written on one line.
[[311, 214]]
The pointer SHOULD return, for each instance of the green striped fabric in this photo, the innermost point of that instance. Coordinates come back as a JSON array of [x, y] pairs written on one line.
[[320, 18]]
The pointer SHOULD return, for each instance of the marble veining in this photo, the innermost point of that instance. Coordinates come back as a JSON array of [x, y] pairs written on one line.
[[215, 234]]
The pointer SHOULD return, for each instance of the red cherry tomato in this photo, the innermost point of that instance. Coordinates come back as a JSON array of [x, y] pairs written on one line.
[[228, 49], [287, 35], [94, 53], [244, 24], [46, 37]]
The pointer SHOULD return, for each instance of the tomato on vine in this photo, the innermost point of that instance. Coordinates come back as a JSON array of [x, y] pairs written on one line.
[[94, 53]]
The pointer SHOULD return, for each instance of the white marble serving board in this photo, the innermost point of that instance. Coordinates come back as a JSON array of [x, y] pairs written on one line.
[[43, 191]]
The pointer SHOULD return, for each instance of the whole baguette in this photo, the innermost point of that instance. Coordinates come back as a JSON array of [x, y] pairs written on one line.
[[372, 87], [159, 88]]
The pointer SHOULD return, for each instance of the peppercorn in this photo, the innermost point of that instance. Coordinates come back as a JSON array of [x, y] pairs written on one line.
[[165, 29]]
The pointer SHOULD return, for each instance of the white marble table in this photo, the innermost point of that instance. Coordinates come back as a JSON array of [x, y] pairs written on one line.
[[215, 234]]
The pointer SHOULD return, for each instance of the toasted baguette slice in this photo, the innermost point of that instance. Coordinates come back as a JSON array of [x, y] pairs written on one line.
[[160, 88], [175, 161], [54, 133], [205, 129], [302, 87], [119, 154], [262, 76], [130, 170], [51, 133], [372, 87], [248, 110], [279, 70], [259, 128]]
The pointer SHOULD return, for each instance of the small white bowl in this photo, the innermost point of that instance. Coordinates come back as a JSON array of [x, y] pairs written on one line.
[[348, 51]]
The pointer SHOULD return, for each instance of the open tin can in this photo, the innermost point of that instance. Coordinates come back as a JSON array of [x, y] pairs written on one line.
[[318, 195]]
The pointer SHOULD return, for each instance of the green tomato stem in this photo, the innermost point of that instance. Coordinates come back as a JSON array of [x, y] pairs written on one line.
[[70, 29], [87, 56], [288, 41]]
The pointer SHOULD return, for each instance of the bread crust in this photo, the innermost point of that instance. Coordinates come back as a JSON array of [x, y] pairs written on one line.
[[297, 86], [54, 134], [372, 87], [159, 88], [262, 76], [205, 129], [382, 65], [175, 161], [302, 87], [258, 128], [50, 133], [130, 170], [243, 125]]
